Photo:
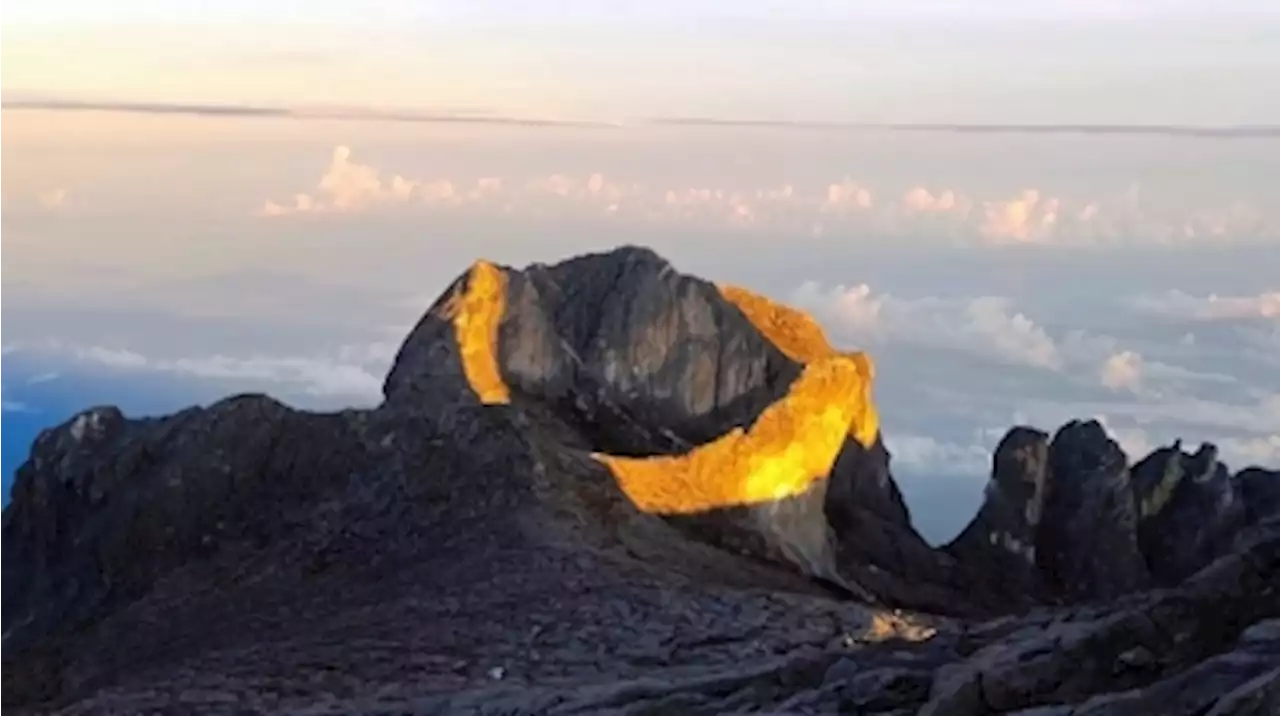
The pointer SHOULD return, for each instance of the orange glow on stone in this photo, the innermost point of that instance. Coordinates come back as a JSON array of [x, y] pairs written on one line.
[[476, 312], [793, 443]]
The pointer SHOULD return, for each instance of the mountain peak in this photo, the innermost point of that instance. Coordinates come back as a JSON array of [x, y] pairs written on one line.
[[599, 468]]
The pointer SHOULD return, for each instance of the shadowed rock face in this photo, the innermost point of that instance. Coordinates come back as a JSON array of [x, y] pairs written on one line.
[[1088, 543], [1259, 490], [1190, 510], [605, 486], [1067, 520], [87, 534], [1000, 543]]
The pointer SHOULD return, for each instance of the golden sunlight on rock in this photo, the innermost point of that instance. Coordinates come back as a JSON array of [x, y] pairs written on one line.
[[801, 339], [794, 332], [476, 312], [793, 443], [885, 626]]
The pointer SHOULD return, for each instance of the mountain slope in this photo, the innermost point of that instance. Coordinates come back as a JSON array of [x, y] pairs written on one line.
[[628, 486]]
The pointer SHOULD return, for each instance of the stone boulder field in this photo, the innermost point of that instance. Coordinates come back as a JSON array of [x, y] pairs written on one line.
[[604, 486]]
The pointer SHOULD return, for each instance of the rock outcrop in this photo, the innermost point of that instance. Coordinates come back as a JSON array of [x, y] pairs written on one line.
[[1259, 490], [999, 545], [1069, 520], [1190, 510], [1088, 541], [606, 486], [727, 413]]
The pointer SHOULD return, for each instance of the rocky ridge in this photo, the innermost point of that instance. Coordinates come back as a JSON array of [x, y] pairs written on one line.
[[605, 486]]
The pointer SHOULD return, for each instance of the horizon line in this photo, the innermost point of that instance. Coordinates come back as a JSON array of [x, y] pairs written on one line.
[[1187, 130], [483, 116], [249, 111]]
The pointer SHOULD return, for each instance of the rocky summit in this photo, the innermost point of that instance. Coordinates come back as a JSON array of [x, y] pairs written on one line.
[[604, 486]]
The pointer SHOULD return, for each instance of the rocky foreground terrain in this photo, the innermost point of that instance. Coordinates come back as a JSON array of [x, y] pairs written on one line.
[[603, 486]]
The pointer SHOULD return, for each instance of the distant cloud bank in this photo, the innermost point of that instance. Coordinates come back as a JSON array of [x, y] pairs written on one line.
[[987, 326], [50, 200], [13, 406], [1177, 304], [1132, 390], [352, 373], [1028, 216]]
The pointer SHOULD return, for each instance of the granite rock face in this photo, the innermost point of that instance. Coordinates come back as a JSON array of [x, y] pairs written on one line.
[[603, 486], [1259, 491], [1190, 510], [999, 545], [87, 534], [1088, 543], [1068, 520], [639, 361]]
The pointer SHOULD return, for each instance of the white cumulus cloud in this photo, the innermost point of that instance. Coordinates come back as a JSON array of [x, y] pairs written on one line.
[[921, 200], [1021, 219], [987, 326], [923, 454], [346, 186], [13, 406], [52, 198], [1123, 371], [1012, 334], [823, 208], [352, 372], [1213, 307], [847, 195]]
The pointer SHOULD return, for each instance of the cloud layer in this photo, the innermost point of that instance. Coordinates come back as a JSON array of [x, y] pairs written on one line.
[[987, 326], [350, 373], [49, 199], [1027, 215], [121, 267], [1178, 304], [1145, 399]]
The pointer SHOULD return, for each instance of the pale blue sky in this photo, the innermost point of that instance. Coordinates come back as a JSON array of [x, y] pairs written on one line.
[[993, 61]]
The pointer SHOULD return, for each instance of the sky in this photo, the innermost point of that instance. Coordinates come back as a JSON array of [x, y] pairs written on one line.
[[1001, 61], [266, 196]]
